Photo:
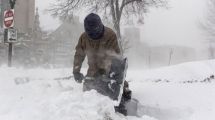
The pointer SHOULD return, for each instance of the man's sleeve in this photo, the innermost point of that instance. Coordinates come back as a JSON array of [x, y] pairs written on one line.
[[116, 46], [79, 56]]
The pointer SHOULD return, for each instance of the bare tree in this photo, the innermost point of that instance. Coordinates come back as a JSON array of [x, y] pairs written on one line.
[[209, 27], [114, 8]]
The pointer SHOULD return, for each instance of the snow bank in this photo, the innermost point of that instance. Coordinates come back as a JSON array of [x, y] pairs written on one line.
[[190, 71], [180, 92]]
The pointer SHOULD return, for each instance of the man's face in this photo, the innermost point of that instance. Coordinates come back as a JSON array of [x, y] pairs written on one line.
[[93, 26]]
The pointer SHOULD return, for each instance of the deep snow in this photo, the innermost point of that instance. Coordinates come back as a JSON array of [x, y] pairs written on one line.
[[179, 92]]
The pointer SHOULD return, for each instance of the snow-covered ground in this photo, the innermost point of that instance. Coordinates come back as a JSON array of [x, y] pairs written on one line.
[[181, 92]]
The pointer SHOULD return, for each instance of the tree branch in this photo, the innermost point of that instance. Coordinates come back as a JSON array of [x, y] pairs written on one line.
[[113, 11], [126, 2], [118, 15]]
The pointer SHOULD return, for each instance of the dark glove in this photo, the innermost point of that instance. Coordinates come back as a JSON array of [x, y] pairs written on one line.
[[78, 77]]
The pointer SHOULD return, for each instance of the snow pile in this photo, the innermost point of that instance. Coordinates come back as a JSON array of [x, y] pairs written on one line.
[[190, 71], [36, 95], [86, 106]]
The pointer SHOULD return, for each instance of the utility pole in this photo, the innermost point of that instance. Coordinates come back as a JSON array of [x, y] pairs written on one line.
[[12, 3], [170, 56]]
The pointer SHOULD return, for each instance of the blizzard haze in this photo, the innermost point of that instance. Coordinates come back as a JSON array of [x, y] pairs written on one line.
[[177, 25], [168, 36], [40, 85]]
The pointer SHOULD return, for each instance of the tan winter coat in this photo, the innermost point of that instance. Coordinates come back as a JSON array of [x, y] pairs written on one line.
[[99, 52]]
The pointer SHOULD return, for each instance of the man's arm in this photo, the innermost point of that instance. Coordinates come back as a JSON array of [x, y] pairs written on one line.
[[116, 46], [79, 56]]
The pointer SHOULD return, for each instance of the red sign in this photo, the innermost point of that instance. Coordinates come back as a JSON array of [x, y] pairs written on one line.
[[9, 18]]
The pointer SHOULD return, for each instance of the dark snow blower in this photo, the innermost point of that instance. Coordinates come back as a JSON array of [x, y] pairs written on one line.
[[115, 87]]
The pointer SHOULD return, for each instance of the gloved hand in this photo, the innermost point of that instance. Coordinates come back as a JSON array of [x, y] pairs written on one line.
[[112, 85], [78, 77]]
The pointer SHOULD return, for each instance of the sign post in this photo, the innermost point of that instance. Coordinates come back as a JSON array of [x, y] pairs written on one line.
[[10, 51], [10, 34]]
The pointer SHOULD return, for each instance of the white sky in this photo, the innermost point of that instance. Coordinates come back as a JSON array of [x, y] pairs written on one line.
[[46, 21], [178, 25]]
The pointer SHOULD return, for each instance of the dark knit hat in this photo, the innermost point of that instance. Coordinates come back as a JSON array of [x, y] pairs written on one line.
[[93, 26]]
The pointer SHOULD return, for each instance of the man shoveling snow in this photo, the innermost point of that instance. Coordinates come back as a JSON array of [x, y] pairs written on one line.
[[107, 68]]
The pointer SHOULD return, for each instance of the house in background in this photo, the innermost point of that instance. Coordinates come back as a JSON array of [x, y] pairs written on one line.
[[63, 42], [142, 55]]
